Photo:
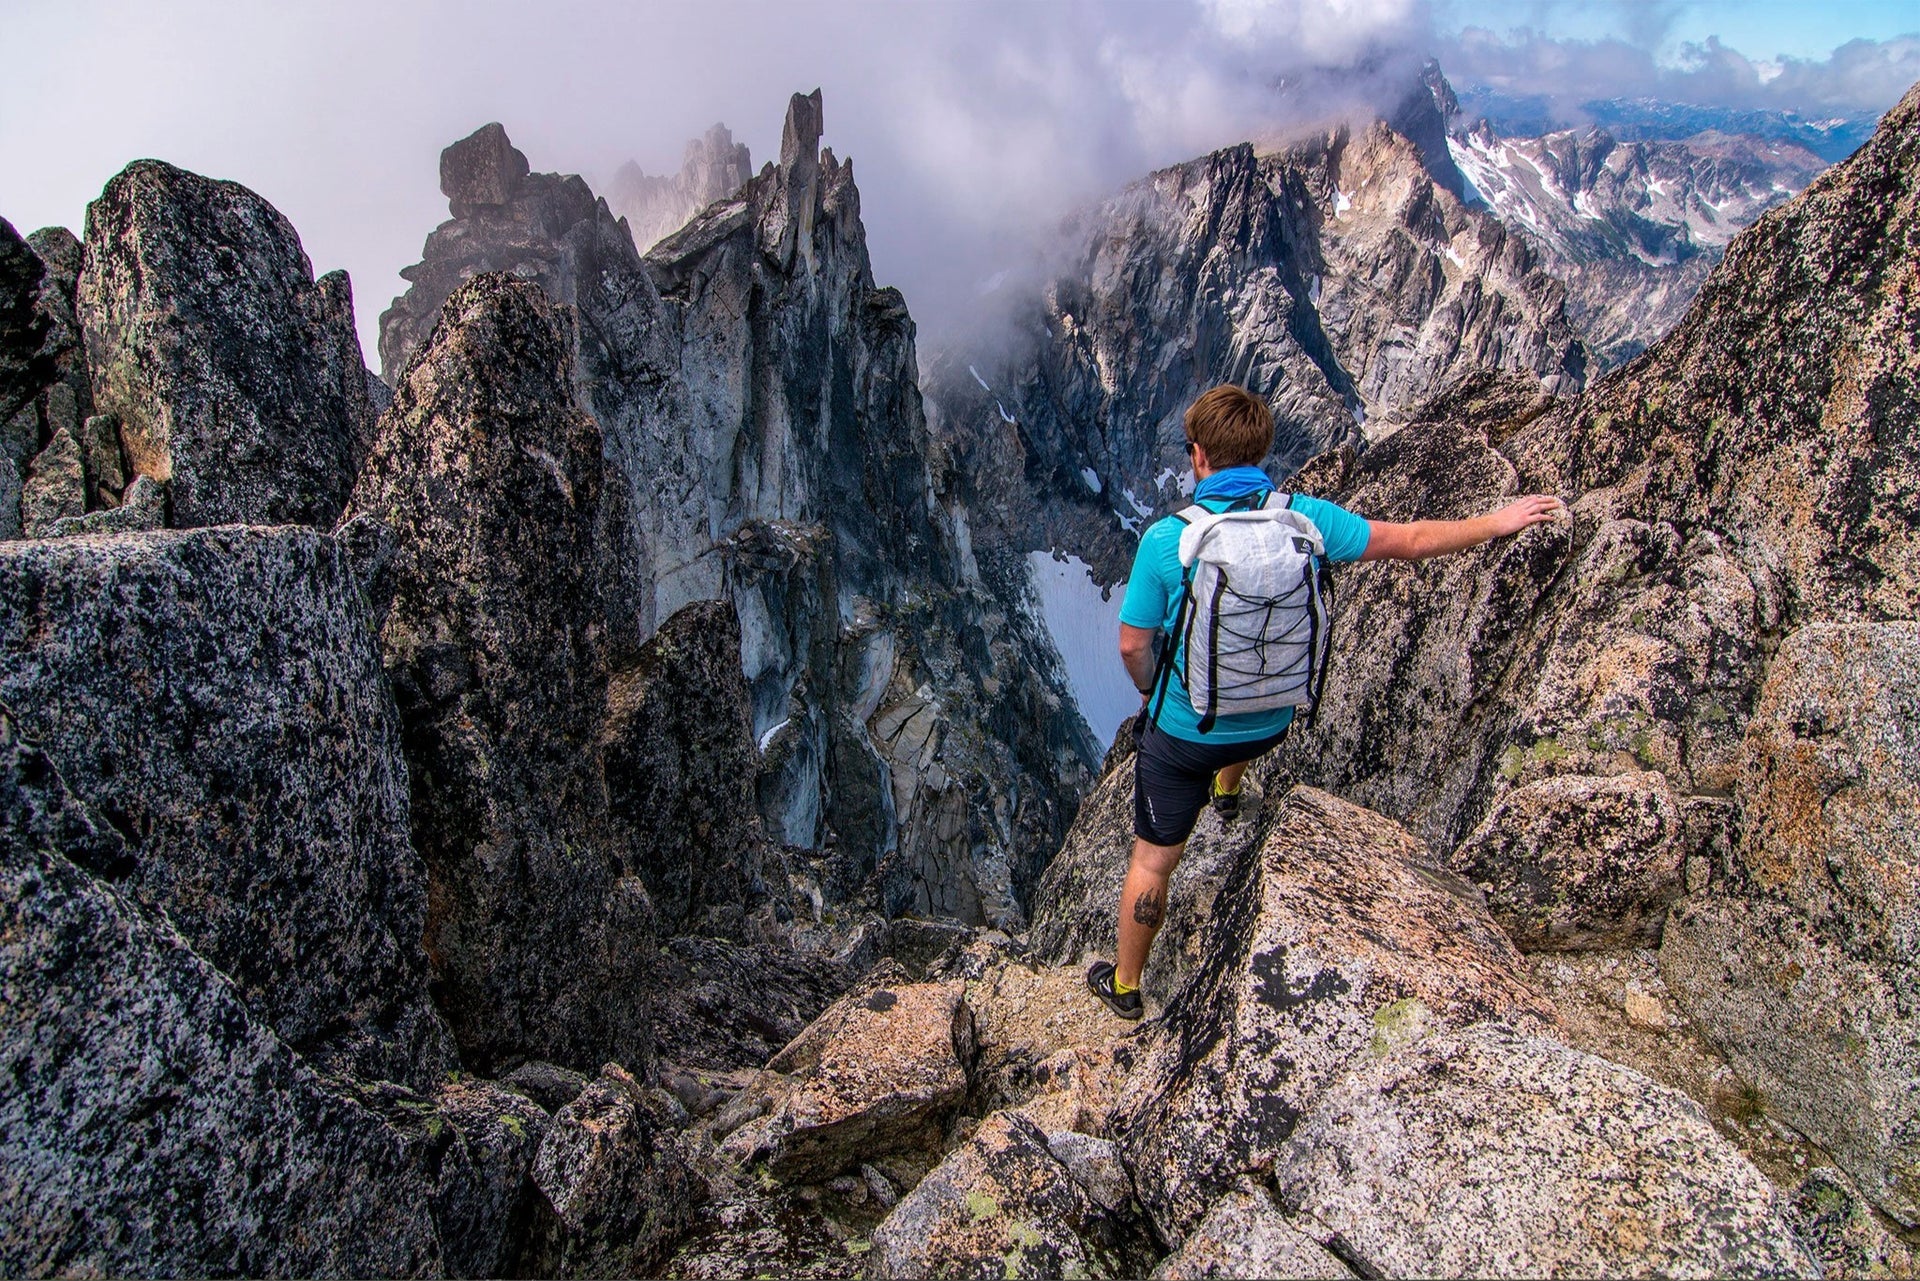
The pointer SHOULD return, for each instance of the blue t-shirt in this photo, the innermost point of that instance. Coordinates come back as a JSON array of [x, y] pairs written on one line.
[[1153, 598]]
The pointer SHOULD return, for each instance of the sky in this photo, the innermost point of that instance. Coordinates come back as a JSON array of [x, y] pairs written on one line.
[[973, 124]]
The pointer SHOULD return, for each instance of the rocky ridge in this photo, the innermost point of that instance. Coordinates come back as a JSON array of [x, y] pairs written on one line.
[[329, 815], [1618, 726], [758, 395]]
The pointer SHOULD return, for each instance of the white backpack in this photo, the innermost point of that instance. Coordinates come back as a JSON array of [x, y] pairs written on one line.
[[1252, 622]]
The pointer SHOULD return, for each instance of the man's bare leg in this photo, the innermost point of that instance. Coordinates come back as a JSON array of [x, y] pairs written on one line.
[[1143, 905], [1227, 779]]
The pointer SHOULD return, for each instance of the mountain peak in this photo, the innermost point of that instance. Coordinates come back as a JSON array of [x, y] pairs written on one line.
[[1424, 117]]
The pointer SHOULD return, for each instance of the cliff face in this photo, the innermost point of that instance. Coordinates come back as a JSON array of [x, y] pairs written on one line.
[[1579, 713], [1336, 278], [759, 401]]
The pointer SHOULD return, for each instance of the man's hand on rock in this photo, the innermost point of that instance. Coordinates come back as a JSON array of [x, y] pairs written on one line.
[[1531, 510]]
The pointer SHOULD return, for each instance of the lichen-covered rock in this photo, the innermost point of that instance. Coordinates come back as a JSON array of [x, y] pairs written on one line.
[[152, 1125], [548, 1084], [145, 508], [1334, 939], [19, 442], [1246, 1234], [1041, 1033], [497, 639], [1841, 1231], [1489, 1152], [724, 1004], [679, 751], [24, 367], [216, 695], [235, 375], [1805, 966], [1013, 1202], [1616, 1006], [763, 1232], [879, 1072], [1579, 863], [481, 1140], [55, 487], [621, 1189], [63, 256], [1077, 904]]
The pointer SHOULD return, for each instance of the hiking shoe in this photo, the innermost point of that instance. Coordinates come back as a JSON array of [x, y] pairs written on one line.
[[1100, 980], [1226, 805]]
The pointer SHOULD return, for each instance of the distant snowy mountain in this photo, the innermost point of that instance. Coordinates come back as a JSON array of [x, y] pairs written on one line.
[[1633, 219], [1587, 195], [1832, 138]]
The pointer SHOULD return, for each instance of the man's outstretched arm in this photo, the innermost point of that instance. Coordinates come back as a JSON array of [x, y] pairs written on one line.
[[1419, 539]]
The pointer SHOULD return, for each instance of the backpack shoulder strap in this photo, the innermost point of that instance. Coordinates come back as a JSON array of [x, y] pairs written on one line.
[[1163, 665]]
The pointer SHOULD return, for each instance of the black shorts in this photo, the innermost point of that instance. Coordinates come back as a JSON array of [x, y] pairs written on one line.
[[1173, 781]]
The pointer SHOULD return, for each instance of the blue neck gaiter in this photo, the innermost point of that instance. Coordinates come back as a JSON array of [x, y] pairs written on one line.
[[1232, 482]]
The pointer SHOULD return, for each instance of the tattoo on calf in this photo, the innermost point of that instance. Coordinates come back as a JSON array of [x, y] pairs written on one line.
[[1150, 908]]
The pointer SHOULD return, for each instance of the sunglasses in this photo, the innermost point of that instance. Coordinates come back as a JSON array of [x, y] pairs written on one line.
[[1191, 446]]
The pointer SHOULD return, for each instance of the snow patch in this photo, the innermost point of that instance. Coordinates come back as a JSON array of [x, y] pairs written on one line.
[[1341, 201], [1454, 257], [1313, 290], [1139, 507], [1092, 478], [977, 378], [1167, 475], [1084, 621], [766, 739], [1005, 417]]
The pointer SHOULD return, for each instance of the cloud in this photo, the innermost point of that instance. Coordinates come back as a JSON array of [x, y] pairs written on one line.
[[1858, 76], [973, 124]]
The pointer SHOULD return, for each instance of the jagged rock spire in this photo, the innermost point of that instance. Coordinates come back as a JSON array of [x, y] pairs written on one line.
[[800, 135]]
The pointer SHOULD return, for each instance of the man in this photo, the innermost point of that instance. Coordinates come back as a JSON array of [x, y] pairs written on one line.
[[1177, 768]]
